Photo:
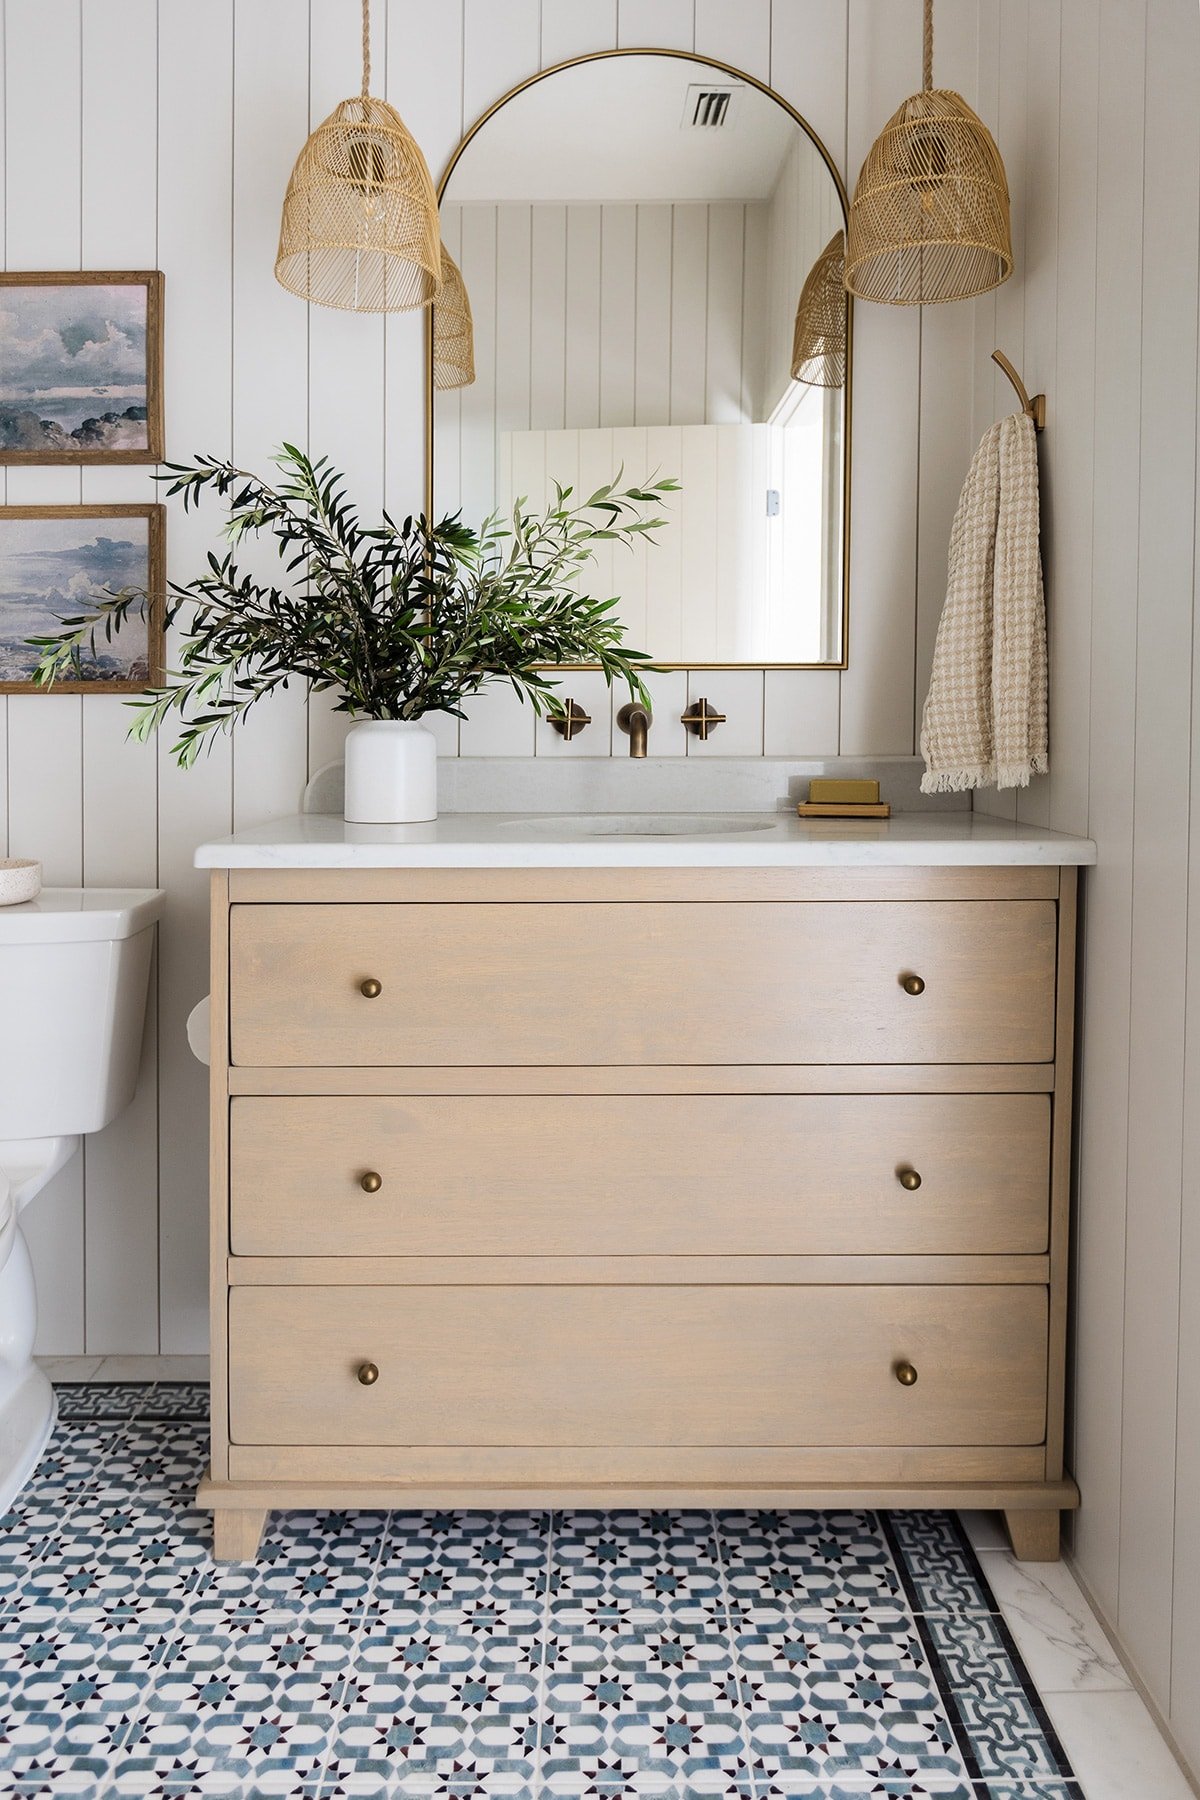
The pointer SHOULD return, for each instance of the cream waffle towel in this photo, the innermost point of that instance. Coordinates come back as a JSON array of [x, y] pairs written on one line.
[[985, 715]]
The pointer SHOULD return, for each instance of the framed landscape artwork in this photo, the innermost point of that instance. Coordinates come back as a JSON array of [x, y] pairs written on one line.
[[81, 368], [55, 563]]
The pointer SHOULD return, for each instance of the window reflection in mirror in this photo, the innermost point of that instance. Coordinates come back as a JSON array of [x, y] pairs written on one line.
[[634, 232]]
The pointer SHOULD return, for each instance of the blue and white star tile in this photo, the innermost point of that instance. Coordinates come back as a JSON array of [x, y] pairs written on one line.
[[471, 1742], [845, 1697], [889, 1785], [465, 1561], [151, 1459], [73, 1463], [807, 1562], [607, 1561], [243, 1645], [758, 1656], [263, 1730]]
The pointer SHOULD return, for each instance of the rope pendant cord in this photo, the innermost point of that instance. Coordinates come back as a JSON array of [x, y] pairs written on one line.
[[927, 78], [366, 48]]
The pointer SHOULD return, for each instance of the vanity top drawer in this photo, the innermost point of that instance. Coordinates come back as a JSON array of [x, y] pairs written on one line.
[[625, 1366], [708, 982], [640, 1175]]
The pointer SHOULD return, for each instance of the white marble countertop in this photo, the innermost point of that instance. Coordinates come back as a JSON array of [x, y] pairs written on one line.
[[645, 841]]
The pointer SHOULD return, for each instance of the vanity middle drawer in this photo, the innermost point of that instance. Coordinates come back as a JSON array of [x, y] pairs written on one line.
[[640, 1175], [468, 985]]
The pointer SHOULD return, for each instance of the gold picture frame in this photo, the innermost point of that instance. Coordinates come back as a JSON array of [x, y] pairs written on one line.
[[90, 370], [63, 559]]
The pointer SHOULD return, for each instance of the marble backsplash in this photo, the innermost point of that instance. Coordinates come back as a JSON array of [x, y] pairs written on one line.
[[663, 784]]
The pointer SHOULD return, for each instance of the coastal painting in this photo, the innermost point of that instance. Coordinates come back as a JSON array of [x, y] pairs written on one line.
[[81, 368], [56, 562]]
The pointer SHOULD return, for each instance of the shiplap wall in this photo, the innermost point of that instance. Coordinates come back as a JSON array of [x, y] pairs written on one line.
[[174, 125], [804, 212], [554, 347], [1104, 94]]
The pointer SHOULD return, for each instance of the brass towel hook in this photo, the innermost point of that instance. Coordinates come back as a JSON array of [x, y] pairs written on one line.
[[1036, 408]]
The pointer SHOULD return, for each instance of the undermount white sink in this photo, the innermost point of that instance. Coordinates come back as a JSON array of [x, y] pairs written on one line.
[[623, 825]]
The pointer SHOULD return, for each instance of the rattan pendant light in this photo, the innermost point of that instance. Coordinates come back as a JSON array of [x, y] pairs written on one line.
[[930, 217], [453, 330], [819, 340], [360, 219]]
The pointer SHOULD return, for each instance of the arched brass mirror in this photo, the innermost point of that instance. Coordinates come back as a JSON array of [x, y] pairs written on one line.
[[635, 230]]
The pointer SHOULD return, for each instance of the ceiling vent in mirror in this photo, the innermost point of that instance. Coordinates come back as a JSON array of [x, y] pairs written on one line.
[[709, 108]]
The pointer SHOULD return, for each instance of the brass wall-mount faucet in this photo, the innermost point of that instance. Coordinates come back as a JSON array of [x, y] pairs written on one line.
[[636, 720]]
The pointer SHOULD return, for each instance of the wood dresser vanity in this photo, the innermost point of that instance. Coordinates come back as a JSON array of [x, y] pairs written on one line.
[[736, 1185]]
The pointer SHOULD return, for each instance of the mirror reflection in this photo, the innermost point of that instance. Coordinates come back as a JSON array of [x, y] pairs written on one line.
[[635, 234]]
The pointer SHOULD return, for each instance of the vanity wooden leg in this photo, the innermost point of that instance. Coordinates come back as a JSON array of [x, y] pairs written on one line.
[[1034, 1535], [236, 1534]]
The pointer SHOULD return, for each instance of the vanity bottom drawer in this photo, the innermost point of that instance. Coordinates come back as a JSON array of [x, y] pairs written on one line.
[[588, 1366]]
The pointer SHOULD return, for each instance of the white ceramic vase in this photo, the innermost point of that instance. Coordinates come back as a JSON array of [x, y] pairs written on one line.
[[391, 773]]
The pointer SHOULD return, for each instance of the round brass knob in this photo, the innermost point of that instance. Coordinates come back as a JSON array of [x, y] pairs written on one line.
[[904, 1372], [912, 984], [370, 989], [909, 1180], [368, 1374], [370, 1183]]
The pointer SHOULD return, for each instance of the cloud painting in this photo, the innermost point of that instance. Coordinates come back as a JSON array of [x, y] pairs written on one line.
[[54, 567], [77, 365]]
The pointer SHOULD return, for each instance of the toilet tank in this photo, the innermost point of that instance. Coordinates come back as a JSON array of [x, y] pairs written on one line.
[[74, 973]]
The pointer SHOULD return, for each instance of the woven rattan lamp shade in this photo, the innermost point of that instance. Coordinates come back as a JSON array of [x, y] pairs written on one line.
[[453, 330], [929, 221], [819, 340], [360, 219]]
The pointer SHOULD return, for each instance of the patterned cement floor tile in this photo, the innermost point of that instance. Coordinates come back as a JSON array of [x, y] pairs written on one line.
[[786, 1655]]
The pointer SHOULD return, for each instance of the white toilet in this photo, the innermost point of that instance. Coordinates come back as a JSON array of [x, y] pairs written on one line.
[[74, 970]]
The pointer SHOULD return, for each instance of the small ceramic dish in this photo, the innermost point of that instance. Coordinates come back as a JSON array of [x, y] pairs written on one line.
[[19, 880]]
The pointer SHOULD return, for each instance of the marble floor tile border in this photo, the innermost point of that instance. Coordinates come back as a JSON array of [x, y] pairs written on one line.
[[946, 1688], [72, 1370]]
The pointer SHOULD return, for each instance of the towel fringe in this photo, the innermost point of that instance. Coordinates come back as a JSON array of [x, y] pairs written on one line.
[[957, 781], [1012, 775], [979, 775]]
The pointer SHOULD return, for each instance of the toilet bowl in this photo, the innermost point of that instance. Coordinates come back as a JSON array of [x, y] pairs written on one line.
[[74, 973]]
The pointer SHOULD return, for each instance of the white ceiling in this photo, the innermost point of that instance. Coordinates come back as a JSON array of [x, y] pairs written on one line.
[[613, 130]]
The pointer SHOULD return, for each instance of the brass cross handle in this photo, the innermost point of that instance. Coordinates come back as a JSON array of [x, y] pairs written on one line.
[[571, 720], [701, 718]]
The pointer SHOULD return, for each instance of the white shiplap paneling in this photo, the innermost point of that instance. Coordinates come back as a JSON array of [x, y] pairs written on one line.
[[45, 732], [195, 243], [1162, 751], [1107, 196], [188, 173]]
